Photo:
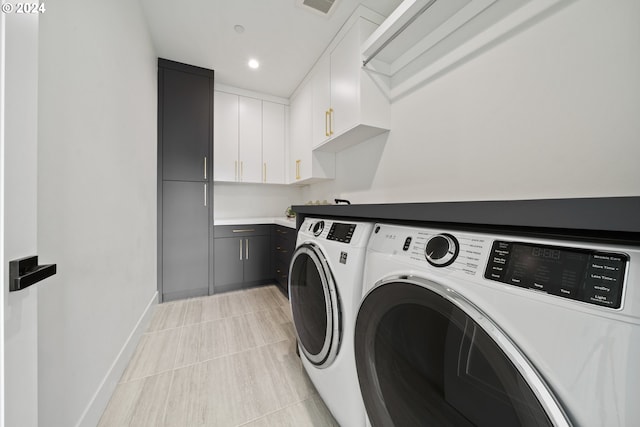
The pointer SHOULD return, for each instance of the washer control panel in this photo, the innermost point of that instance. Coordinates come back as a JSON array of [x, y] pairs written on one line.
[[459, 253], [578, 274], [341, 232], [441, 250], [587, 273]]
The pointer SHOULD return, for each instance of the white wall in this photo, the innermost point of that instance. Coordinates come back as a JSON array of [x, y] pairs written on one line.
[[551, 112], [96, 199], [19, 199], [253, 200]]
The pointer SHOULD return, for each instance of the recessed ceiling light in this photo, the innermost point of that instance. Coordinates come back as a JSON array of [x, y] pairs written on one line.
[[253, 63], [239, 29]]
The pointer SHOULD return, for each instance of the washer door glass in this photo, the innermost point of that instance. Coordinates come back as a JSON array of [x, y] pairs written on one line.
[[422, 360], [314, 311]]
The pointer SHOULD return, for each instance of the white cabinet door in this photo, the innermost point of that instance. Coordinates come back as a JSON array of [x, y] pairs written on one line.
[[225, 136], [250, 139], [273, 142], [358, 109], [345, 83], [306, 166], [321, 86], [301, 133]]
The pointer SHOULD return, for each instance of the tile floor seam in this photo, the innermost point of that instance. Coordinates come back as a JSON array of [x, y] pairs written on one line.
[[146, 376], [161, 330], [184, 313], [166, 399], [173, 373], [175, 358], [223, 355], [224, 318], [282, 408]]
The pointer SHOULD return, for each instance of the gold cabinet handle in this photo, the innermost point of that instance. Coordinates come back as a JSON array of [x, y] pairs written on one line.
[[330, 121], [264, 172], [241, 169], [298, 169], [240, 249], [246, 248], [205, 194], [205, 167], [326, 123], [235, 174]]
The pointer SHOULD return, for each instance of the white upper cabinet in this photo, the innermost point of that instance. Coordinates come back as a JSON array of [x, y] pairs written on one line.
[[321, 87], [306, 166], [348, 106], [273, 142], [225, 136], [249, 139]]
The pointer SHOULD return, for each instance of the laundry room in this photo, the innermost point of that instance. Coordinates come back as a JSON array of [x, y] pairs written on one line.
[[320, 212]]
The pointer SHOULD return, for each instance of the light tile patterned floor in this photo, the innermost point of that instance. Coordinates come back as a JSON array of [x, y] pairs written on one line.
[[223, 360]]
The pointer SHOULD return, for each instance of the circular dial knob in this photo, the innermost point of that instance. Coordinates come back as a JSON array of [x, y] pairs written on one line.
[[441, 250], [318, 227]]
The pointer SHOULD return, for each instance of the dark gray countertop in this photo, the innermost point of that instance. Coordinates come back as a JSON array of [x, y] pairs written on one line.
[[609, 218]]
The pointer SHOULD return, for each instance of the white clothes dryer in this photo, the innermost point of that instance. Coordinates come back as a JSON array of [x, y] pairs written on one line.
[[472, 329], [325, 288]]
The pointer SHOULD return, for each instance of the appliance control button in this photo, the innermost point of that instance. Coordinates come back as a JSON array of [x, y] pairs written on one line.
[[441, 250], [318, 227], [407, 244]]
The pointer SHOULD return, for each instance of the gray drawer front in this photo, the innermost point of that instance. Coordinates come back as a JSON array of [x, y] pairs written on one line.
[[285, 232], [240, 231]]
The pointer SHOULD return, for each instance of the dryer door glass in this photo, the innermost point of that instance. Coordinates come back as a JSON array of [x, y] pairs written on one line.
[[421, 360], [311, 305]]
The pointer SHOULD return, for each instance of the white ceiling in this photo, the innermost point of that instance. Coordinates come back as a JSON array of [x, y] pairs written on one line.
[[284, 36]]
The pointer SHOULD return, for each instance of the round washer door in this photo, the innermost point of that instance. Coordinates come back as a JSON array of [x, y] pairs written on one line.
[[427, 356], [314, 305]]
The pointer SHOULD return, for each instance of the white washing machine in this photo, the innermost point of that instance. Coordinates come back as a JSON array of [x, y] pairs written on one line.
[[325, 288], [469, 329]]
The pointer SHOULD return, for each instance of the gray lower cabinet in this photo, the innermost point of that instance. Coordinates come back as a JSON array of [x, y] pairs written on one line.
[[228, 267], [242, 256], [284, 243], [257, 266], [185, 240]]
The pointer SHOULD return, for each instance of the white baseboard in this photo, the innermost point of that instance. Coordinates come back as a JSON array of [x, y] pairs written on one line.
[[96, 406]]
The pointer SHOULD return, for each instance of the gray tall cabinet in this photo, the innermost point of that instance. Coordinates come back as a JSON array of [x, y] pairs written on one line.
[[185, 201]]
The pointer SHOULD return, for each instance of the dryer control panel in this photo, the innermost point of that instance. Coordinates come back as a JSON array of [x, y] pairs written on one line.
[[578, 274]]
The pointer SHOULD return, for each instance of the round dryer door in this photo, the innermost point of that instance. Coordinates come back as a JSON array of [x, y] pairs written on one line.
[[427, 356], [314, 305]]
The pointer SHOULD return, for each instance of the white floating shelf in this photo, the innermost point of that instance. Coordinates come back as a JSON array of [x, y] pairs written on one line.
[[423, 38]]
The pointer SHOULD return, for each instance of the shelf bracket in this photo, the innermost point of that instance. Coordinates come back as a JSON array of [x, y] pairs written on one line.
[[398, 32]]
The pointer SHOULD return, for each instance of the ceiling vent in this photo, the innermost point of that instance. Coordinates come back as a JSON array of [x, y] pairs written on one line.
[[321, 6]]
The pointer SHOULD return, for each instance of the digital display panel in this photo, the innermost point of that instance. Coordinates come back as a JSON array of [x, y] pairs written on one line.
[[582, 275], [341, 232]]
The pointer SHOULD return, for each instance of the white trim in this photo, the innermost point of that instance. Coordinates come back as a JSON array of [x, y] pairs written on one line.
[[96, 406], [3, 273], [249, 93]]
